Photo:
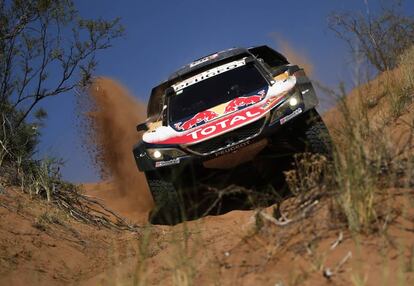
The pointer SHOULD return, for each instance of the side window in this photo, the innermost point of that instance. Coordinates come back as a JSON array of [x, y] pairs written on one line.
[[155, 102]]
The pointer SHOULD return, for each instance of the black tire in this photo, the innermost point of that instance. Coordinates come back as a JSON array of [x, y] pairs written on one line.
[[315, 135], [168, 205], [318, 138]]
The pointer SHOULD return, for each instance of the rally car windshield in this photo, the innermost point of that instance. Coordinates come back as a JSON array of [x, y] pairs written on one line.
[[214, 91]]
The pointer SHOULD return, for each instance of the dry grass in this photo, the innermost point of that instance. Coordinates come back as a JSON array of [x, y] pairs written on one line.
[[52, 216], [307, 174], [368, 160], [407, 68]]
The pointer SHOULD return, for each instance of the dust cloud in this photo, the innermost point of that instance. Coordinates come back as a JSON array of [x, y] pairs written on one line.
[[109, 115], [295, 56]]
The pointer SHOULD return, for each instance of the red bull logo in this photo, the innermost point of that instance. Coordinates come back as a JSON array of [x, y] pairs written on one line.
[[243, 101], [201, 117]]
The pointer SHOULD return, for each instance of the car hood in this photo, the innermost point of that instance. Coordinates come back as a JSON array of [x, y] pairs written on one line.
[[220, 110], [223, 118]]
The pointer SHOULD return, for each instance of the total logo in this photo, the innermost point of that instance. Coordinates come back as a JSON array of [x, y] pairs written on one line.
[[209, 124], [236, 104], [219, 126]]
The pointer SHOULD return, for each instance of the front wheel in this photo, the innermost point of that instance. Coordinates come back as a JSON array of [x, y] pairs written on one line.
[[168, 206], [313, 135]]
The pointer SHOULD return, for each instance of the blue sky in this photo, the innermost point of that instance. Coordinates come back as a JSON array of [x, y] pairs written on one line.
[[161, 36]]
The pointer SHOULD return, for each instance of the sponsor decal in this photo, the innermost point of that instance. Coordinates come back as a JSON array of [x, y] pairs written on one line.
[[271, 102], [236, 104], [223, 122], [214, 128], [290, 116], [202, 60], [199, 118], [167, 163], [281, 77], [305, 91], [244, 101], [207, 74], [219, 126], [232, 148]]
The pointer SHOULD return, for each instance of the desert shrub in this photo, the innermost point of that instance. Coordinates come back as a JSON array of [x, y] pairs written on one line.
[[369, 159], [401, 90], [52, 216], [16, 140], [308, 173], [367, 163], [31, 49], [406, 63], [373, 153], [380, 38], [43, 178]]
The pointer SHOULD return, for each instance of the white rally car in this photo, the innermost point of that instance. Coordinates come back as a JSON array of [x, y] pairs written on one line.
[[234, 117]]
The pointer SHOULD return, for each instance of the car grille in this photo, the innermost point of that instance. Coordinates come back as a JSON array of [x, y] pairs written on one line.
[[230, 138]]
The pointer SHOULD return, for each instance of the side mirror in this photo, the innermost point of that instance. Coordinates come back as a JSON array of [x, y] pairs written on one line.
[[249, 60], [169, 91], [142, 127]]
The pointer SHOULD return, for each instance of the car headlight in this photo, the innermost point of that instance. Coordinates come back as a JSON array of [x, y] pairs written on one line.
[[293, 101], [164, 153]]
